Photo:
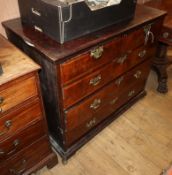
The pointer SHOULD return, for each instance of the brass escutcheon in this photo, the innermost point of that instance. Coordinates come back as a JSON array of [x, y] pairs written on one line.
[[97, 52]]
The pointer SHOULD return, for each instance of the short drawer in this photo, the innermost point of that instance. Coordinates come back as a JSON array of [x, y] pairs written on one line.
[[100, 55], [89, 60], [18, 119], [17, 142], [27, 158], [87, 85], [97, 107], [16, 92]]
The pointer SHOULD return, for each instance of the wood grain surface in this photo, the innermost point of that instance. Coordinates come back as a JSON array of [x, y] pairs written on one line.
[[137, 143], [10, 58]]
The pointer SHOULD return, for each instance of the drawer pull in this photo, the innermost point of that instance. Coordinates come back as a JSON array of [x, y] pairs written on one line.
[[138, 74], [21, 170], [1, 110], [122, 59], [114, 101], [96, 104], [91, 123], [2, 153], [165, 35], [119, 81], [1, 100], [131, 93], [97, 53], [95, 81], [29, 43], [38, 29], [148, 34], [35, 12], [7, 124], [15, 145], [142, 54]]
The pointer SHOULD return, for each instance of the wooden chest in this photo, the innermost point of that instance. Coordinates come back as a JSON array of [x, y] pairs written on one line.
[[24, 143], [89, 81]]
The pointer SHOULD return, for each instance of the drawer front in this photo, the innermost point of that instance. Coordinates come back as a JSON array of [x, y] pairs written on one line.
[[95, 58], [89, 61], [17, 92], [132, 40], [20, 118], [21, 140], [83, 87], [94, 109], [27, 158], [103, 113]]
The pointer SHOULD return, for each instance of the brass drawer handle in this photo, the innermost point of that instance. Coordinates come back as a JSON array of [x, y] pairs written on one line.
[[138, 74], [119, 81], [97, 52], [142, 53], [131, 93], [15, 145], [91, 123], [35, 12], [148, 34], [1, 100], [21, 170], [96, 104], [95, 81], [165, 35], [112, 102], [122, 59], [38, 28], [7, 124], [1, 110]]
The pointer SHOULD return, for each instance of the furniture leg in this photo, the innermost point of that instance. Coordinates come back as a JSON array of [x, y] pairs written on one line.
[[160, 66]]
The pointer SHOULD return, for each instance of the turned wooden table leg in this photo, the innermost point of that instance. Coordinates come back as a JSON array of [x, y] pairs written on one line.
[[160, 66]]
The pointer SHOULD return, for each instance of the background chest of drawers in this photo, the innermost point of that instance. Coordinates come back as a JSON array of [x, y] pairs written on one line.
[[24, 143], [89, 81]]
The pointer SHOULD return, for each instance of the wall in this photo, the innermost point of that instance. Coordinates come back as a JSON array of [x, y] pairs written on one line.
[[9, 9]]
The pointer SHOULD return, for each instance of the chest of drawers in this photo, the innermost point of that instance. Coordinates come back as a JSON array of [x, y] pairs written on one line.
[[24, 143], [89, 81]]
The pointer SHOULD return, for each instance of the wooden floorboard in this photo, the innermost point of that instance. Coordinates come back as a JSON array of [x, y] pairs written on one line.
[[139, 142]]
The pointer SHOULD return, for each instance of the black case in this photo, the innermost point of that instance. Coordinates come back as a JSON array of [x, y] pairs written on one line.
[[64, 22]]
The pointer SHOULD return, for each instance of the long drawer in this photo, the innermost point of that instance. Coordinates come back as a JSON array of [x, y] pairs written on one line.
[[19, 119], [87, 85], [17, 142], [27, 158], [16, 92], [83, 117]]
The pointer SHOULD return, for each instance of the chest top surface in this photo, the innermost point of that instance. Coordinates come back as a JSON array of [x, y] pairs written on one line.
[[14, 62], [57, 52]]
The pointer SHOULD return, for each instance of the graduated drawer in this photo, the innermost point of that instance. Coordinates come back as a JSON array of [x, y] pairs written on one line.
[[18, 119], [79, 89], [20, 140], [100, 55], [16, 92], [94, 109], [26, 159]]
